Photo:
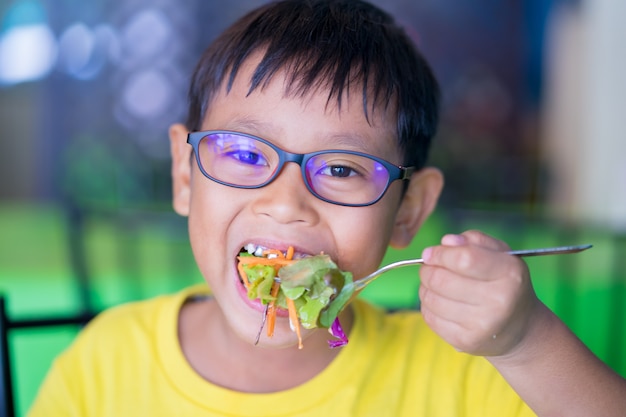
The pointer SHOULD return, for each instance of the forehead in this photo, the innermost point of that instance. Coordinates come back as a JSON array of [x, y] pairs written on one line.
[[353, 104]]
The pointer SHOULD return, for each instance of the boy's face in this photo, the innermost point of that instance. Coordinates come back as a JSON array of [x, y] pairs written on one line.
[[284, 213]]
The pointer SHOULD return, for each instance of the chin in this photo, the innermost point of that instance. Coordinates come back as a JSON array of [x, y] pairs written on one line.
[[283, 337], [277, 342]]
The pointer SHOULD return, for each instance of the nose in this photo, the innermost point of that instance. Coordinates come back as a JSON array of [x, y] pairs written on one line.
[[287, 199]]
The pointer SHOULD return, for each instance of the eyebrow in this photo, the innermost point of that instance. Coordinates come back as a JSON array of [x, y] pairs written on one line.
[[248, 123], [339, 140]]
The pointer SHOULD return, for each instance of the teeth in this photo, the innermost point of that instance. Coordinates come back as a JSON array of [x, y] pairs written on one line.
[[255, 250], [258, 250]]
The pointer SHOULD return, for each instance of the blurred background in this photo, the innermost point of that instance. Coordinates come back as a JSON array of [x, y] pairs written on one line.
[[532, 144]]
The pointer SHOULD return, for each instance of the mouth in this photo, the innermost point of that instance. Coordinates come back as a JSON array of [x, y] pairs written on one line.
[[255, 297], [261, 251], [310, 290]]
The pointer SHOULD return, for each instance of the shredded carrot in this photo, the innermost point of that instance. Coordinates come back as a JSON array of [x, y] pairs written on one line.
[[253, 260], [279, 261], [271, 312], [276, 252], [271, 319], [293, 318], [243, 275]]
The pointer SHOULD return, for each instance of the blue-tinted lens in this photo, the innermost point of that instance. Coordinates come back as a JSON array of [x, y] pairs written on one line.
[[346, 178], [236, 159], [341, 177]]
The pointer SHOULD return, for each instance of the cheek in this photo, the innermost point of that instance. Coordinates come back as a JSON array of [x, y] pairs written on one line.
[[209, 216], [363, 239], [201, 238]]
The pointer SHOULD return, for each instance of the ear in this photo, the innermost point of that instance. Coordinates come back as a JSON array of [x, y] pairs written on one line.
[[417, 204], [181, 169]]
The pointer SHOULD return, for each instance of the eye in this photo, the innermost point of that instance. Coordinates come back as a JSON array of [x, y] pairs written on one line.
[[338, 171], [247, 157], [341, 166]]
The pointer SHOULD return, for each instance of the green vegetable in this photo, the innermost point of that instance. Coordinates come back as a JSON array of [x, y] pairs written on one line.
[[319, 289]]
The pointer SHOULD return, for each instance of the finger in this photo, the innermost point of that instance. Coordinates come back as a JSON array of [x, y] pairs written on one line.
[[453, 240], [466, 300], [477, 312], [441, 306], [465, 327], [473, 261], [446, 329], [452, 286], [475, 237], [478, 238], [443, 325], [454, 332]]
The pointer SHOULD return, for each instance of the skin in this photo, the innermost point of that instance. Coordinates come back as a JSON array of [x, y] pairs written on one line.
[[218, 334], [472, 291]]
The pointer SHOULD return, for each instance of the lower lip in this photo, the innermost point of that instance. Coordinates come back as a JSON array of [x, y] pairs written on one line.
[[256, 303]]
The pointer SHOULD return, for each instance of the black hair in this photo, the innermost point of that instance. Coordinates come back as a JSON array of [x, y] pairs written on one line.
[[334, 44]]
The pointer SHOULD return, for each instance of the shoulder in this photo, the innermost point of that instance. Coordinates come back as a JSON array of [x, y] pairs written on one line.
[[118, 349], [137, 321]]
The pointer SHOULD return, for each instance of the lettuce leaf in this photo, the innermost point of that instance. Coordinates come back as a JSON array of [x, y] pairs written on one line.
[[321, 284], [318, 287]]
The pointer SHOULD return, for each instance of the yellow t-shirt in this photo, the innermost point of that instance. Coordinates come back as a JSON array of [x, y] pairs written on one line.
[[128, 362]]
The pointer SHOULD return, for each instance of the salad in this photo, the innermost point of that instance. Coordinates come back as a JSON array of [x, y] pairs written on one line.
[[312, 289]]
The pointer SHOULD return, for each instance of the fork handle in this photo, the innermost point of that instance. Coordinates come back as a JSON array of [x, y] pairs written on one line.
[[362, 283], [549, 251]]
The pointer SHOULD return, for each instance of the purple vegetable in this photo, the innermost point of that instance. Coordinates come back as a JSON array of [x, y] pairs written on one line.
[[337, 332]]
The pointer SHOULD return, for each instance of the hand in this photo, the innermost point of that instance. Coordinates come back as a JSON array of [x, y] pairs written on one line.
[[475, 296]]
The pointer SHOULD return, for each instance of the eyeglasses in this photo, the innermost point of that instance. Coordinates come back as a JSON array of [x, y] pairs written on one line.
[[342, 177]]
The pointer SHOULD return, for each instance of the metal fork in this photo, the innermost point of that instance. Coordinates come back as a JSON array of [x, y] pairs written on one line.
[[363, 282]]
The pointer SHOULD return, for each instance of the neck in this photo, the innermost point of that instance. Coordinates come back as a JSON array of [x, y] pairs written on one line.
[[221, 357]]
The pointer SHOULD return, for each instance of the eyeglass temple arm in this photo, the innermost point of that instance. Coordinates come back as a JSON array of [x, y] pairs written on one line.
[[406, 172]]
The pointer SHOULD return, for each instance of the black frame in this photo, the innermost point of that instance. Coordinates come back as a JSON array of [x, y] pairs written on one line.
[[7, 403]]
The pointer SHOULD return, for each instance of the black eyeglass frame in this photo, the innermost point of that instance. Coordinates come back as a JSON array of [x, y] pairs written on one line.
[[396, 172]]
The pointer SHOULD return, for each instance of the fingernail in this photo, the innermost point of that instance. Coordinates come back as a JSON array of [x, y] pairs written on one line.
[[453, 240], [426, 254]]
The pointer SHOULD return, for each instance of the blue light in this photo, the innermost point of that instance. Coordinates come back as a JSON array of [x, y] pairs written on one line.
[[24, 13], [84, 52], [27, 45]]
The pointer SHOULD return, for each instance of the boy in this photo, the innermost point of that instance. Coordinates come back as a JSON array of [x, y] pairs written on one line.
[[289, 80]]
